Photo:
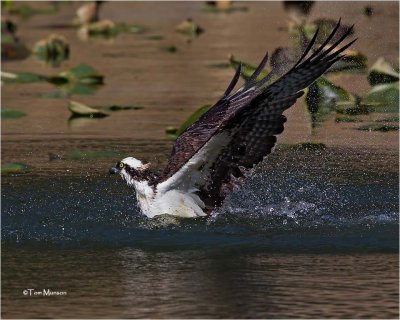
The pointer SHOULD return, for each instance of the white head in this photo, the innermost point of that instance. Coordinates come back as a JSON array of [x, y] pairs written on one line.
[[133, 170]]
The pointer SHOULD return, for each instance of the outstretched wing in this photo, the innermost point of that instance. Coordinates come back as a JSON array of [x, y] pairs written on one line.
[[226, 142]]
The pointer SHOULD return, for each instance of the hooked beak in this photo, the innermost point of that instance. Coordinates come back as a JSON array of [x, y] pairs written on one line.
[[113, 170]]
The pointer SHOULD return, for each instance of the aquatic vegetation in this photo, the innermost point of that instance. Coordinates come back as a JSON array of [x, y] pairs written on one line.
[[382, 72], [390, 119], [14, 167], [88, 13], [222, 6], [25, 11], [80, 110], [81, 79], [368, 11], [170, 49], [113, 107], [173, 132], [220, 65], [379, 127], [189, 28], [11, 114], [384, 94], [301, 7], [53, 50], [247, 69], [11, 47], [107, 29]]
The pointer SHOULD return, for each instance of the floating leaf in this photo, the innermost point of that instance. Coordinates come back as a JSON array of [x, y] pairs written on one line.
[[379, 127], [52, 50], [247, 69], [302, 7], [80, 110], [389, 119], [382, 72], [14, 51], [325, 27], [385, 97], [353, 61], [81, 73], [83, 155], [189, 28], [322, 96], [26, 11], [368, 11], [220, 65], [355, 106], [171, 49], [81, 79], [11, 114], [21, 77], [12, 168], [172, 132], [222, 6], [114, 107]]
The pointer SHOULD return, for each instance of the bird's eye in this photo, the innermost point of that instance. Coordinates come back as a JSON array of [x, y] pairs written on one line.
[[121, 165]]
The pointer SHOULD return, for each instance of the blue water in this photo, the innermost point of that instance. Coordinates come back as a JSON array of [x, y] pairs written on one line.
[[272, 212], [288, 244]]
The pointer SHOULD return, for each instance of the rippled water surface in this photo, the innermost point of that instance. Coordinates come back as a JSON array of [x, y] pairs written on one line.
[[283, 246]]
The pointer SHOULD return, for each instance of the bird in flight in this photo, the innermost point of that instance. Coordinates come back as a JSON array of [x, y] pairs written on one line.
[[214, 154]]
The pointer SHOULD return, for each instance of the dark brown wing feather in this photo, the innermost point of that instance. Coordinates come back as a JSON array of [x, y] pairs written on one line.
[[253, 116]]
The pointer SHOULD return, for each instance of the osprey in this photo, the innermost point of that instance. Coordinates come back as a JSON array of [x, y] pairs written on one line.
[[215, 153]]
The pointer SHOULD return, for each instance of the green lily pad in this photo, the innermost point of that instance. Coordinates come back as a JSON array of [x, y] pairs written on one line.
[[382, 72], [385, 97], [352, 62], [173, 133], [379, 127], [81, 73], [170, 49], [14, 51], [247, 69], [220, 65], [223, 6], [52, 50], [389, 119], [80, 110], [14, 167], [21, 77], [11, 114], [80, 80], [114, 107], [189, 28], [355, 106], [25, 11], [346, 118], [84, 155], [322, 97]]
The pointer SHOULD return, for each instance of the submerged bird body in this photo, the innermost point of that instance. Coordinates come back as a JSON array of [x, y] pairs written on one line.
[[214, 154]]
